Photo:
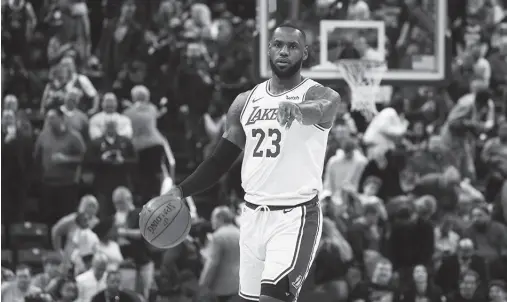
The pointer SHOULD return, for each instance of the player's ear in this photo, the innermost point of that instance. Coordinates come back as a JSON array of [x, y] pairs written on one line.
[[305, 53]]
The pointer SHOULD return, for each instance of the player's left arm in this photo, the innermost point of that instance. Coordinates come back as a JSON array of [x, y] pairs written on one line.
[[319, 106]]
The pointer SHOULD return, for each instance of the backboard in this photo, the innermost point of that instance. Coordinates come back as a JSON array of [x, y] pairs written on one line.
[[410, 35]]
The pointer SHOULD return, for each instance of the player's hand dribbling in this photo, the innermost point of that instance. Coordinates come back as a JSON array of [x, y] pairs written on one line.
[[174, 192], [287, 113]]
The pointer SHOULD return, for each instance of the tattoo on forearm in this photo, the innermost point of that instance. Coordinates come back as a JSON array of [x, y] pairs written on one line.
[[325, 99]]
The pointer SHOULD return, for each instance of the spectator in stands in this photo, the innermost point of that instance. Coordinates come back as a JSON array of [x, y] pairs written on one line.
[[354, 279], [489, 236], [132, 244], [358, 201], [232, 59], [379, 287], [82, 245], [497, 291], [214, 125], [111, 159], [446, 240], [67, 225], [51, 264], [89, 100], [18, 23], [466, 259], [358, 10], [66, 273], [107, 232], [475, 69], [432, 159], [16, 147], [143, 116], [426, 207], [76, 119], [386, 166], [122, 41], [411, 243], [444, 187], [463, 125], [180, 270], [198, 26], [366, 236], [366, 52], [387, 129], [54, 92], [499, 268], [195, 84], [344, 121], [343, 169], [76, 25], [66, 290], [113, 292], [59, 46], [58, 152], [18, 289], [22, 121], [148, 141], [221, 269], [421, 287], [498, 62], [92, 281], [7, 275], [109, 113], [468, 289], [333, 248], [494, 155]]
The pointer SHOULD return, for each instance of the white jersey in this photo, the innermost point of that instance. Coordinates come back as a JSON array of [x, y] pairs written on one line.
[[281, 167]]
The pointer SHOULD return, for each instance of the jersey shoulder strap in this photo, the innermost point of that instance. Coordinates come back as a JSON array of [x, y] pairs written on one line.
[[249, 98]]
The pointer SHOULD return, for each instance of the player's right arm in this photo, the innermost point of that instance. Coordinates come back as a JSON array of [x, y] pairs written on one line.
[[223, 157]]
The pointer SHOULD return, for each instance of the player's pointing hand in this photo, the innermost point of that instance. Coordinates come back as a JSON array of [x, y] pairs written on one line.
[[287, 113]]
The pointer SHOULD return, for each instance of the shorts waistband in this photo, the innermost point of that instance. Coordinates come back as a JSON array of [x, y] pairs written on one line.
[[311, 202]]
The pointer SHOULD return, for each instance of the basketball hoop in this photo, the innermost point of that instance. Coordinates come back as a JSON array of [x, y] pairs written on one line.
[[363, 78]]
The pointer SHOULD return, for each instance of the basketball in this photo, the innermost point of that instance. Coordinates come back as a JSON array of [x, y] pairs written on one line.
[[165, 221]]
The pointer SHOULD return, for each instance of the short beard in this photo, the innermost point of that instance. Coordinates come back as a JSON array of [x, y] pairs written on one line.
[[288, 72]]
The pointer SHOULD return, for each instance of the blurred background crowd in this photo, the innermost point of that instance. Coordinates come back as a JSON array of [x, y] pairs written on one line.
[[108, 103]]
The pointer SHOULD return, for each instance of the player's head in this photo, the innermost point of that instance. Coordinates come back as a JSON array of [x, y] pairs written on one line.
[[287, 50]]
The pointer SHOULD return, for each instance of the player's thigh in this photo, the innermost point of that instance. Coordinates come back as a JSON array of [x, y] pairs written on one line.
[[291, 251], [251, 256]]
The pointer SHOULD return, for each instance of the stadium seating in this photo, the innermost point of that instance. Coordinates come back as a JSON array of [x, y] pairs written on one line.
[[32, 257], [7, 259], [26, 235]]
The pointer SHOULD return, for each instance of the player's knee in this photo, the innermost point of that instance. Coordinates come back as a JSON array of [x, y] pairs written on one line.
[[277, 292]]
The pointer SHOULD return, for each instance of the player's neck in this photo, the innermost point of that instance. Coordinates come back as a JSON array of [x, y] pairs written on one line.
[[278, 85]]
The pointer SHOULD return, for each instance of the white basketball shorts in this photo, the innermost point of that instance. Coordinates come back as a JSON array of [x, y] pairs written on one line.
[[277, 247]]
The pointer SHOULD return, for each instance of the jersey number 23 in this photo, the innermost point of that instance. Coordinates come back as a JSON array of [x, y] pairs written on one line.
[[273, 135]]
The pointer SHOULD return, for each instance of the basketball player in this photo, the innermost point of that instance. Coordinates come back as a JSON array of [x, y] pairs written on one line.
[[282, 125]]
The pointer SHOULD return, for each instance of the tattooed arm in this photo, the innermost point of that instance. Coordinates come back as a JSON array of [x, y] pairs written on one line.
[[319, 106]]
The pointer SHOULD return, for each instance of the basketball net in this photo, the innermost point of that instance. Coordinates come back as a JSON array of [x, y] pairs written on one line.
[[363, 78]]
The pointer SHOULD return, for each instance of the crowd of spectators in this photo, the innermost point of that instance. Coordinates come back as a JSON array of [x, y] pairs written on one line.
[[96, 94]]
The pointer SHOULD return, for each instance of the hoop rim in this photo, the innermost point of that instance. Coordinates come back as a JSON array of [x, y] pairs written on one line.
[[368, 68]]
